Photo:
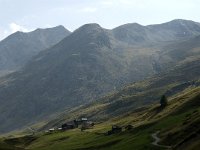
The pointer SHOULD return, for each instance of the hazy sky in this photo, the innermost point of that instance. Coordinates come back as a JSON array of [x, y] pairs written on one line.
[[27, 15]]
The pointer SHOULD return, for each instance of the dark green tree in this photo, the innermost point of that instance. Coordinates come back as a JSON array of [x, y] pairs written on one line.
[[163, 101]]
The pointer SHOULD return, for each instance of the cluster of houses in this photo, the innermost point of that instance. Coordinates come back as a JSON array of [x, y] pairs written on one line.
[[82, 123]]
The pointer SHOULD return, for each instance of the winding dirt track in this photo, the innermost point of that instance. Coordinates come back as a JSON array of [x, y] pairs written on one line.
[[157, 140]]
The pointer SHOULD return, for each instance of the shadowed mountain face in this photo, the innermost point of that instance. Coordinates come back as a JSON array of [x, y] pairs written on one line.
[[91, 62], [17, 49]]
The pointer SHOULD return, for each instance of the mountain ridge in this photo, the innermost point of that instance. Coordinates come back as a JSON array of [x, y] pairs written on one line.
[[17, 49], [85, 66]]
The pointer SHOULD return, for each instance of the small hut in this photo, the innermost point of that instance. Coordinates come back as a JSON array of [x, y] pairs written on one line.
[[115, 129], [87, 125], [67, 126], [52, 130]]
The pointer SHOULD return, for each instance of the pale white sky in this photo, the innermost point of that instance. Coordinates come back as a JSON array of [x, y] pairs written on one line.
[[27, 15]]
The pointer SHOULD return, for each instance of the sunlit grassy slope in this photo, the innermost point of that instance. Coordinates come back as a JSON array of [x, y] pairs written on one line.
[[178, 123]]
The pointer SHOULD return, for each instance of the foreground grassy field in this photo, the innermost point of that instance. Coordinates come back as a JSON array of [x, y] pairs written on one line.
[[178, 124]]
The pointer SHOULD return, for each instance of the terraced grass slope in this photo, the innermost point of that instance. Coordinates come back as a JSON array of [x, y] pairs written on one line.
[[178, 124]]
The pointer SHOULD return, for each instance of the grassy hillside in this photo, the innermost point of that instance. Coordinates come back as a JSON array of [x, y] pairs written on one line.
[[135, 95], [178, 124]]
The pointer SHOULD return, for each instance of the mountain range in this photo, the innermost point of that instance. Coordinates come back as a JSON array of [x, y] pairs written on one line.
[[91, 62], [17, 49]]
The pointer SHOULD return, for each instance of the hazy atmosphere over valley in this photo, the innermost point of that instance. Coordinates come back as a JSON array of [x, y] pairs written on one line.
[[99, 75]]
